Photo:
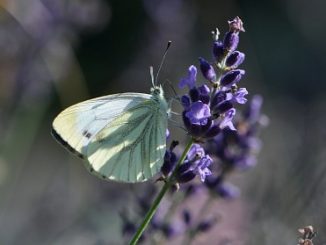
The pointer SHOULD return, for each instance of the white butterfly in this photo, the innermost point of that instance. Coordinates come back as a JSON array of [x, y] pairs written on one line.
[[122, 136]]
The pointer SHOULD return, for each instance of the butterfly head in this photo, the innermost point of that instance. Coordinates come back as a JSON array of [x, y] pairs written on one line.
[[158, 96], [157, 91]]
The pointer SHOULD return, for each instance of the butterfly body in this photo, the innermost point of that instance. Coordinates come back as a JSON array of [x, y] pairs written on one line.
[[122, 136]]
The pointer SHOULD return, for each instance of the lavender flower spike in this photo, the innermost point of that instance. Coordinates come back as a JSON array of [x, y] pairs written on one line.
[[190, 79]]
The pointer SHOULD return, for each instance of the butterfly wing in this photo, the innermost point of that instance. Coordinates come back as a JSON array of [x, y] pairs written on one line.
[[122, 136]]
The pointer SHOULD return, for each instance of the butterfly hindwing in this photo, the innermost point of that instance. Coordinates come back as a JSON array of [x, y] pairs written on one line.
[[131, 148]]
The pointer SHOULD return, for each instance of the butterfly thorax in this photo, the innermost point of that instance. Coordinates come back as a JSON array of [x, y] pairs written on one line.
[[158, 96]]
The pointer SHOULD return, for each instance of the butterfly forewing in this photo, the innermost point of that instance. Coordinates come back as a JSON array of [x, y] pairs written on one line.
[[122, 136]]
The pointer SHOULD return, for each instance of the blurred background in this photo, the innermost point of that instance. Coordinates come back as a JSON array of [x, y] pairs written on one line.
[[56, 53]]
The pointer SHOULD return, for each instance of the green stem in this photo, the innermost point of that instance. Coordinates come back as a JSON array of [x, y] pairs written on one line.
[[159, 197]]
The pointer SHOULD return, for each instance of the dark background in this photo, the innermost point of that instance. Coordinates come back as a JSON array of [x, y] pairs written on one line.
[[56, 53]]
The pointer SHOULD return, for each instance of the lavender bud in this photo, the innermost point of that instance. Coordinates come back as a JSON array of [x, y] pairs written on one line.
[[213, 131], [186, 215], [207, 70], [170, 159], [186, 177], [218, 51], [169, 163], [231, 41], [185, 173], [194, 94], [236, 25], [232, 77], [204, 95], [228, 191], [168, 230], [231, 38], [223, 107], [219, 97], [235, 59], [206, 225]]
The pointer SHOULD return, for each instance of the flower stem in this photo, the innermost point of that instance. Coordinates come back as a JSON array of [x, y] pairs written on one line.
[[159, 197]]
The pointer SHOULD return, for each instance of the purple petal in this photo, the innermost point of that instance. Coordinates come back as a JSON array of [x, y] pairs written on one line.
[[227, 120], [190, 79], [198, 113], [203, 169], [195, 151], [236, 24], [239, 96], [231, 41]]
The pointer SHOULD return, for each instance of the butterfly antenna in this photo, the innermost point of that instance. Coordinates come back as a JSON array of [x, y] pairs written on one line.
[[162, 61]]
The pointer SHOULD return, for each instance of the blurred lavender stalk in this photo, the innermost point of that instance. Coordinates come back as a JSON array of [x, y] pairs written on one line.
[[36, 40]]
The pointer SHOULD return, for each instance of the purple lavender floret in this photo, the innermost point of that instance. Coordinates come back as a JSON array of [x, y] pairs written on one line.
[[198, 113], [190, 79], [196, 163], [203, 167], [239, 96]]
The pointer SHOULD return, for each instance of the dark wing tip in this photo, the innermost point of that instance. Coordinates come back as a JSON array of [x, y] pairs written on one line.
[[65, 144]]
